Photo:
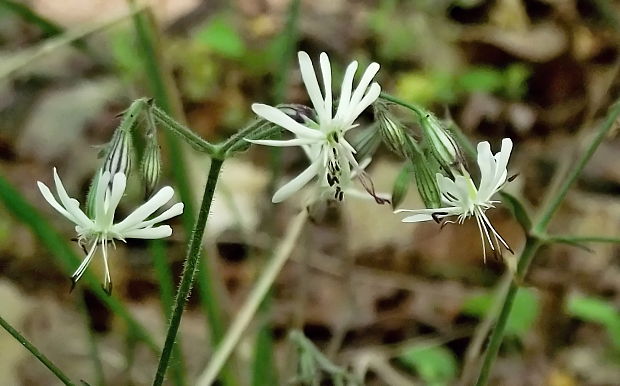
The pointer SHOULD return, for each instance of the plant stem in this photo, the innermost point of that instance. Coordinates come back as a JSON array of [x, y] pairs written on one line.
[[193, 139], [416, 109], [30, 347], [581, 239], [163, 95], [166, 292], [189, 269], [244, 317], [552, 206], [536, 239]]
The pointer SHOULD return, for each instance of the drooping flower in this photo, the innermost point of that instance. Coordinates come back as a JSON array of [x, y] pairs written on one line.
[[332, 156], [463, 199], [101, 229]]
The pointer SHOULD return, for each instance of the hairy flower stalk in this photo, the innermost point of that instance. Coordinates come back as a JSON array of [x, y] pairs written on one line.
[[99, 230], [463, 199], [332, 158]]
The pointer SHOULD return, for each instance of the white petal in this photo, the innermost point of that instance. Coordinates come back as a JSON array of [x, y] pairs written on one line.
[[49, 197], [85, 263], [149, 233], [100, 192], [345, 91], [173, 211], [359, 92], [421, 217], [296, 183], [145, 210], [312, 85], [118, 188], [368, 99], [283, 143], [276, 116], [326, 72], [75, 211]]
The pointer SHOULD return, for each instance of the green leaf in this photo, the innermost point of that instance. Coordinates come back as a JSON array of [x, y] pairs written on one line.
[[524, 311], [481, 79], [596, 310], [436, 365], [518, 211], [220, 35], [401, 185]]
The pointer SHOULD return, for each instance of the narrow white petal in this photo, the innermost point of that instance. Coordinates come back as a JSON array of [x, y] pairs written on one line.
[[276, 116], [420, 217], [49, 197], [118, 188], [158, 232], [283, 143], [145, 210], [85, 263], [100, 192], [359, 92], [368, 99], [296, 183], [107, 279], [326, 72], [346, 89], [171, 212], [71, 207], [312, 85]]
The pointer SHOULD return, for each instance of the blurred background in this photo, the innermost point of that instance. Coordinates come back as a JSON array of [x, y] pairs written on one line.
[[399, 303]]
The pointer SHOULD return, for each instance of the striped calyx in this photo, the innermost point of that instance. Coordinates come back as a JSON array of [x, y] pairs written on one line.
[[151, 164], [118, 153]]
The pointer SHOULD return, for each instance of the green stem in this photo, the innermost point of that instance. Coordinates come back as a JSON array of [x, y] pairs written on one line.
[[581, 239], [550, 209], [30, 347], [249, 308], [535, 240], [189, 269], [209, 302], [416, 109], [166, 292], [193, 139]]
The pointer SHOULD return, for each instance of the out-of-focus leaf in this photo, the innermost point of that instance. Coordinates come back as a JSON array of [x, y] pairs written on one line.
[[220, 35], [481, 79], [591, 309], [401, 185], [524, 311], [518, 211], [123, 47], [435, 365]]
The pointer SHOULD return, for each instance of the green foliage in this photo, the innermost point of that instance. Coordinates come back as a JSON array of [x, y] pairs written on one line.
[[220, 35], [436, 365], [123, 48], [596, 310], [428, 87], [525, 310]]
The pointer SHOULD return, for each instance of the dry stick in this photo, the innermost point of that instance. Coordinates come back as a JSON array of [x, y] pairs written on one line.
[[244, 317]]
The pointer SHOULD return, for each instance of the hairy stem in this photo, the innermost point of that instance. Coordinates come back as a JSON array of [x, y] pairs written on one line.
[[189, 269], [243, 319]]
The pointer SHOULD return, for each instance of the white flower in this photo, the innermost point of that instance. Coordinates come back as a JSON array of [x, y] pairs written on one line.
[[101, 229], [463, 199], [332, 157]]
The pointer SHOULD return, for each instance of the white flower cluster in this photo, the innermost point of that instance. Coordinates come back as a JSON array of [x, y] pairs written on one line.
[[332, 158]]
